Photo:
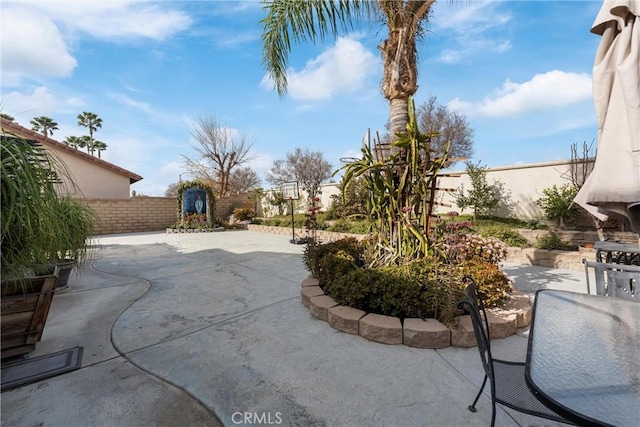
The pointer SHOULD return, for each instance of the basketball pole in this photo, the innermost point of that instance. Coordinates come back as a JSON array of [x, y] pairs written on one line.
[[293, 227]]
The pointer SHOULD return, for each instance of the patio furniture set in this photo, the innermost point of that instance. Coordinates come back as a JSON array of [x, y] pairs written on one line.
[[583, 355]]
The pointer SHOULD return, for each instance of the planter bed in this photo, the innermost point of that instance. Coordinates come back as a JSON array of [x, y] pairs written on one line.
[[570, 260], [420, 333]]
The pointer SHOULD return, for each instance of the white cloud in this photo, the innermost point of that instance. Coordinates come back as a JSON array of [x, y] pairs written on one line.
[[128, 101], [470, 17], [548, 90], [341, 68], [474, 30], [117, 19], [37, 36], [41, 101], [233, 39], [32, 45]]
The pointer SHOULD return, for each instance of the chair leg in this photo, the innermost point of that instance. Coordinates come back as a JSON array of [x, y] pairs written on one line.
[[493, 412], [472, 407]]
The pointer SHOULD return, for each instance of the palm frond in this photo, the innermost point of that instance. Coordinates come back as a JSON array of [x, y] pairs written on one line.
[[300, 21]]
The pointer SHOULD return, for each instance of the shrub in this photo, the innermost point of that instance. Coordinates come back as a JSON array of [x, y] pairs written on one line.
[[557, 203], [505, 234], [382, 291], [348, 226], [244, 214], [314, 253], [482, 197], [429, 287], [551, 241], [441, 284], [457, 248], [493, 285], [334, 265]]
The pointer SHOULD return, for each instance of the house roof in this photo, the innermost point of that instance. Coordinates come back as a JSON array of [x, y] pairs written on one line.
[[14, 128]]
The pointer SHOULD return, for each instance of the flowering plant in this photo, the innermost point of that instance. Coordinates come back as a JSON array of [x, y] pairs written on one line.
[[194, 221]]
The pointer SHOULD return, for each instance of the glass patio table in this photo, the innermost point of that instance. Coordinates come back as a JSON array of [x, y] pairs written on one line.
[[583, 357]]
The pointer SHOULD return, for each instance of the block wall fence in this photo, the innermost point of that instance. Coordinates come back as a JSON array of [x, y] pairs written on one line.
[[140, 214]]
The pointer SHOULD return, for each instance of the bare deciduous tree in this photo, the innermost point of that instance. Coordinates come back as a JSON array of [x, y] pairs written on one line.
[[172, 190], [581, 165], [243, 179], [309, 168], [219, 150], [453, 126]]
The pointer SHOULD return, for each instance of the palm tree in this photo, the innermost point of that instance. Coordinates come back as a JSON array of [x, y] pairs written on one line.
[[99, 146], [85, 142], [311, 21], [73, 141], [7, 116], [92, 122], [44, 124]]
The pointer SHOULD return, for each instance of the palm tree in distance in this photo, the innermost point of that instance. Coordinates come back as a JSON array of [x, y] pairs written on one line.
[[92, 122], [99, 146], [7, 116], [302, 21], [74, 141], [44, 124]]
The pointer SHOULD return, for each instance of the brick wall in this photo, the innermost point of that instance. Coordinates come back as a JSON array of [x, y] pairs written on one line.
[[133, 215], [139, 214]]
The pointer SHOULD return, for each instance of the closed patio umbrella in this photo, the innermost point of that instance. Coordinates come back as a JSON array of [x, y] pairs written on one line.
[[613, 187]]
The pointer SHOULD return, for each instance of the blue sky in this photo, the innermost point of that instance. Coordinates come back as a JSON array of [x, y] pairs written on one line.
[[519, 70]]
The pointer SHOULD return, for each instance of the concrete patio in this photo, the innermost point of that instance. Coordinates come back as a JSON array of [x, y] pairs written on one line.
[[208, 329]]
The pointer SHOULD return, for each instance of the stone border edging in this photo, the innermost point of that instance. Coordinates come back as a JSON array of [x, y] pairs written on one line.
[[194, 230], [414, 332]]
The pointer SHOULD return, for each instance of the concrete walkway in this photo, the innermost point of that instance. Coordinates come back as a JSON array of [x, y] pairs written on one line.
[[208, 329]]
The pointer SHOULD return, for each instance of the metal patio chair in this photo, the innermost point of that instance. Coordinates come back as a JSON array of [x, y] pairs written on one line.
[[614, 280], [506, 379]]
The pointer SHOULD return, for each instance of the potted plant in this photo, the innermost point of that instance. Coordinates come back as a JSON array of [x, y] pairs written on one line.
[[32, 234], [76, 221]]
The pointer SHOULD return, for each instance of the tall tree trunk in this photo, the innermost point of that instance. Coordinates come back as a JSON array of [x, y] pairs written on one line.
[[400, 71], [398, 115]]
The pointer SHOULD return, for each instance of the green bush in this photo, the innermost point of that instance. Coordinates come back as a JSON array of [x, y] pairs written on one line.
[[493, 285], [429, 287], [551, 241], [244, 214], [349, 226], [334, 265], [314, 253], [505, 234], [557, 203], [383, 291]]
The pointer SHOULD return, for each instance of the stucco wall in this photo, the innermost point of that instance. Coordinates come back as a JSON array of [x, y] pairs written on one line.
[[300, 205], [522, 185], [92, 181]]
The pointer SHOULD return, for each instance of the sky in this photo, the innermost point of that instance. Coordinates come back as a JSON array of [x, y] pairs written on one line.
[[520, 71]]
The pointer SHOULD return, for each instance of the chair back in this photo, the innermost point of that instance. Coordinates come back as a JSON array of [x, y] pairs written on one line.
[[472, 303], [615, 280]]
